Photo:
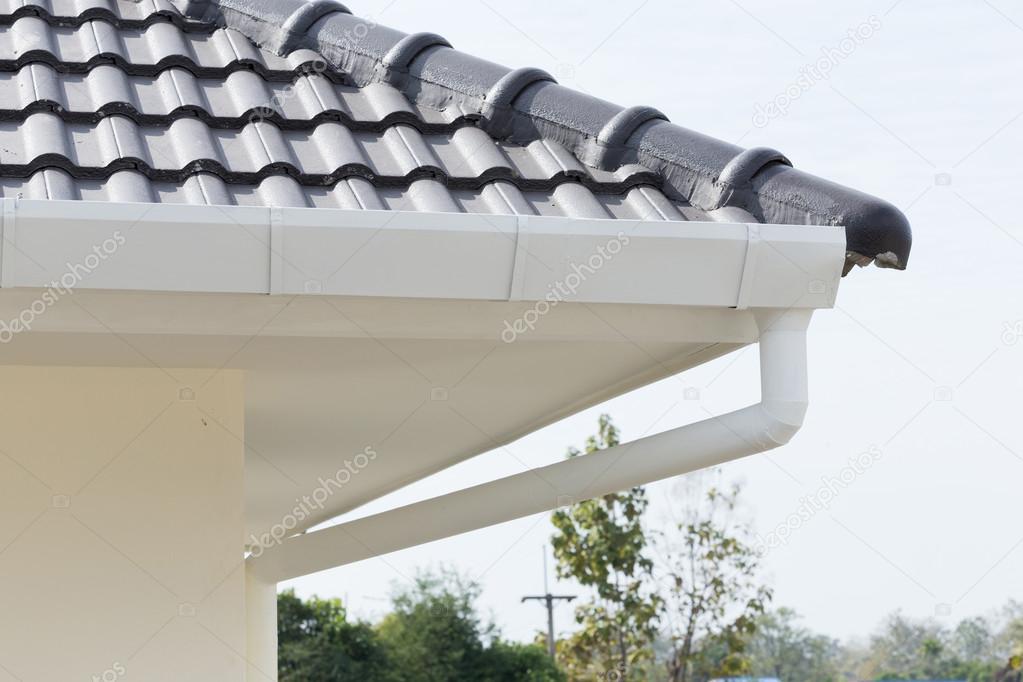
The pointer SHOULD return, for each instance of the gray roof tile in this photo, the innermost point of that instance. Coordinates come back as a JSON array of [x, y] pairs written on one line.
[[109, 100]]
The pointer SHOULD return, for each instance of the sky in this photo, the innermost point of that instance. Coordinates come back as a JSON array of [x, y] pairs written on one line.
[[919, 373]]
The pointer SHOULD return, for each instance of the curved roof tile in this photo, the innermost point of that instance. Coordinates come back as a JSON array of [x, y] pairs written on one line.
[[303, 103]]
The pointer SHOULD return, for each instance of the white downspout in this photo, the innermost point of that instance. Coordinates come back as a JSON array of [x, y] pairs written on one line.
[[768, 424]]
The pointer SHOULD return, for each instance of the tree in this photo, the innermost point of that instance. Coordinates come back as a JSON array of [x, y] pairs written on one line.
[[509, 662], [1010, 643], [781, 648], [906, 649], [434, 634], [316, 643], [713, 599], [976, 650], [902, 649], [972, 640], [601, 543], [709, 597]]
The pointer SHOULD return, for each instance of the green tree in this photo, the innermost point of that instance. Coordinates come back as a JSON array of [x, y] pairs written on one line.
[[601, 544], [510, 662], [1009, 643], [1013, 671], [434, 634], [907, 649], [895, 650], [972, 640], [713, 598], [782, 648], [316, 643], [1009, 640]]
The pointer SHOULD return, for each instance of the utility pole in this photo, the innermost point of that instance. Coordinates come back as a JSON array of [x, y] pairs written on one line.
[[549, 600]]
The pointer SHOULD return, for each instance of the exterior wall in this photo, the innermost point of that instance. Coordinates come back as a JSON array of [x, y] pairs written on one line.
[[121, 525]]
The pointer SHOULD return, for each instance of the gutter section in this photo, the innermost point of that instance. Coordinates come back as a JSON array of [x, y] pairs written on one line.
[[299, 251]]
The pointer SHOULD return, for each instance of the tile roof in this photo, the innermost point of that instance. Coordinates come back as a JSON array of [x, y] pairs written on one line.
[[294, 103]]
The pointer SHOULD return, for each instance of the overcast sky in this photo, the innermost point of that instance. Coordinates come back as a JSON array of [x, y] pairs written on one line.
[[922, 368]]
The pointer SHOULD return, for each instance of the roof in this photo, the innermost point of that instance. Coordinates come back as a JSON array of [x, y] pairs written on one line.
[[301, 104]]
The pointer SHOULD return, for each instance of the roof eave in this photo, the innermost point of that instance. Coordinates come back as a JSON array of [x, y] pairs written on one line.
[[526, 104]]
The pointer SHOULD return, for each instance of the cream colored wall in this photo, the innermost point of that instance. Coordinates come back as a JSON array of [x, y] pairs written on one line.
[[121, 525]]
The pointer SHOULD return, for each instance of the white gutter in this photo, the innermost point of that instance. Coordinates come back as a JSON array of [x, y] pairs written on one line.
[[769, 424], [171, 248]]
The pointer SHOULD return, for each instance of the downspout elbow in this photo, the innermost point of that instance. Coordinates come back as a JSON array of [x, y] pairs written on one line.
[[783, 374], [781, 421]]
